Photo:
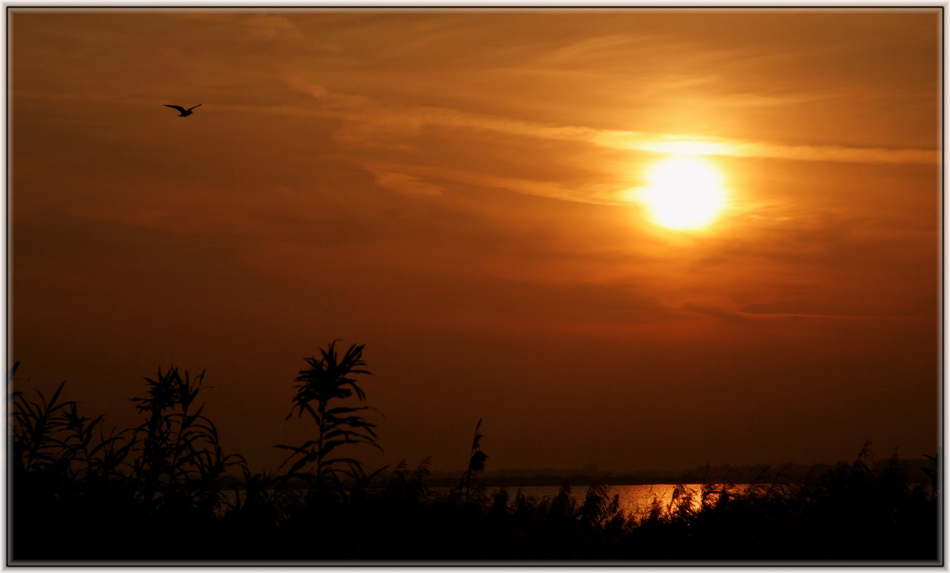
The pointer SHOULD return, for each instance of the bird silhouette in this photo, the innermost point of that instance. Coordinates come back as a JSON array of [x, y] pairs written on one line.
[[184, 112]]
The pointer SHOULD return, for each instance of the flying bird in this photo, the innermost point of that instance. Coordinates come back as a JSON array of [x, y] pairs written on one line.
[[184, 112]]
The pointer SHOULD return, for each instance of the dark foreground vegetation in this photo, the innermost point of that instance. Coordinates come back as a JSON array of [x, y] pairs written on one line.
[[160, 492]]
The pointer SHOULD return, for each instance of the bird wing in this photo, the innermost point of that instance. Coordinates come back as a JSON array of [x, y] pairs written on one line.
[[191, 108], [178, 107]]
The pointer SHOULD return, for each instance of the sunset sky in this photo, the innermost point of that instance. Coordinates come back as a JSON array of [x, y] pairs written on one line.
[[464, 192]]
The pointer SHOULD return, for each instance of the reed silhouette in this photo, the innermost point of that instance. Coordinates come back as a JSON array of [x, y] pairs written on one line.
[[159, 493], [180, 463], [476, 464], [329, 380]]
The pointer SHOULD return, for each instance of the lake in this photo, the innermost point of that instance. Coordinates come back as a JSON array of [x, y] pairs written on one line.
[[635, 500]]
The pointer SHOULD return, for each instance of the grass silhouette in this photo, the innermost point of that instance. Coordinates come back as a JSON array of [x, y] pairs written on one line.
[[329, 380], [156, 493], [476, 464]]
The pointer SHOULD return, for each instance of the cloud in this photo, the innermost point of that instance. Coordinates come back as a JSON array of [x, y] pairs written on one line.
[[841, 316], [271, 27], [720, 313], [395, 178], [258, 26], [406, 132], [406, 119], [406, 184], [788, 310]]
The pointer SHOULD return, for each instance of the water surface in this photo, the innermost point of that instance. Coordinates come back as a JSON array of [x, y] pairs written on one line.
[[635, 500]]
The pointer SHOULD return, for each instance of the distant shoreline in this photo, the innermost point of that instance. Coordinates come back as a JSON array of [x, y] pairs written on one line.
[[759, 473], [555, 481]]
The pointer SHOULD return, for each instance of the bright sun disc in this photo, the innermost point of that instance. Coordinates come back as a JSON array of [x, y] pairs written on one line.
[[684, 193]]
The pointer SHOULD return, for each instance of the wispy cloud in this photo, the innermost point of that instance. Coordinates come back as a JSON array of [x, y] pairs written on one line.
[[370, 123], [720, 313], [406, 184], [837, 316], [403, 117]]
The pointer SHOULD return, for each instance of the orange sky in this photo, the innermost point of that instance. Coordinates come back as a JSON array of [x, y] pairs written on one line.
[[453, 190]]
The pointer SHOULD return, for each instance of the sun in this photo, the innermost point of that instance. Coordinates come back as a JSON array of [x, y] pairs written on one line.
[[683, 192]]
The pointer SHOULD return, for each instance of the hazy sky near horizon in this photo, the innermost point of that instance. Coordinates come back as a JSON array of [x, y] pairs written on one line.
[[456, 191]]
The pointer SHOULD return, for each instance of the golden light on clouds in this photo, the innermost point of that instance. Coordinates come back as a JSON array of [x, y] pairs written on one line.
[[684, 192], [689, 147]]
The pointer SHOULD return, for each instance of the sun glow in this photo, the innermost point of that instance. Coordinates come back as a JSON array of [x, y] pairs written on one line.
[[684, 192]]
